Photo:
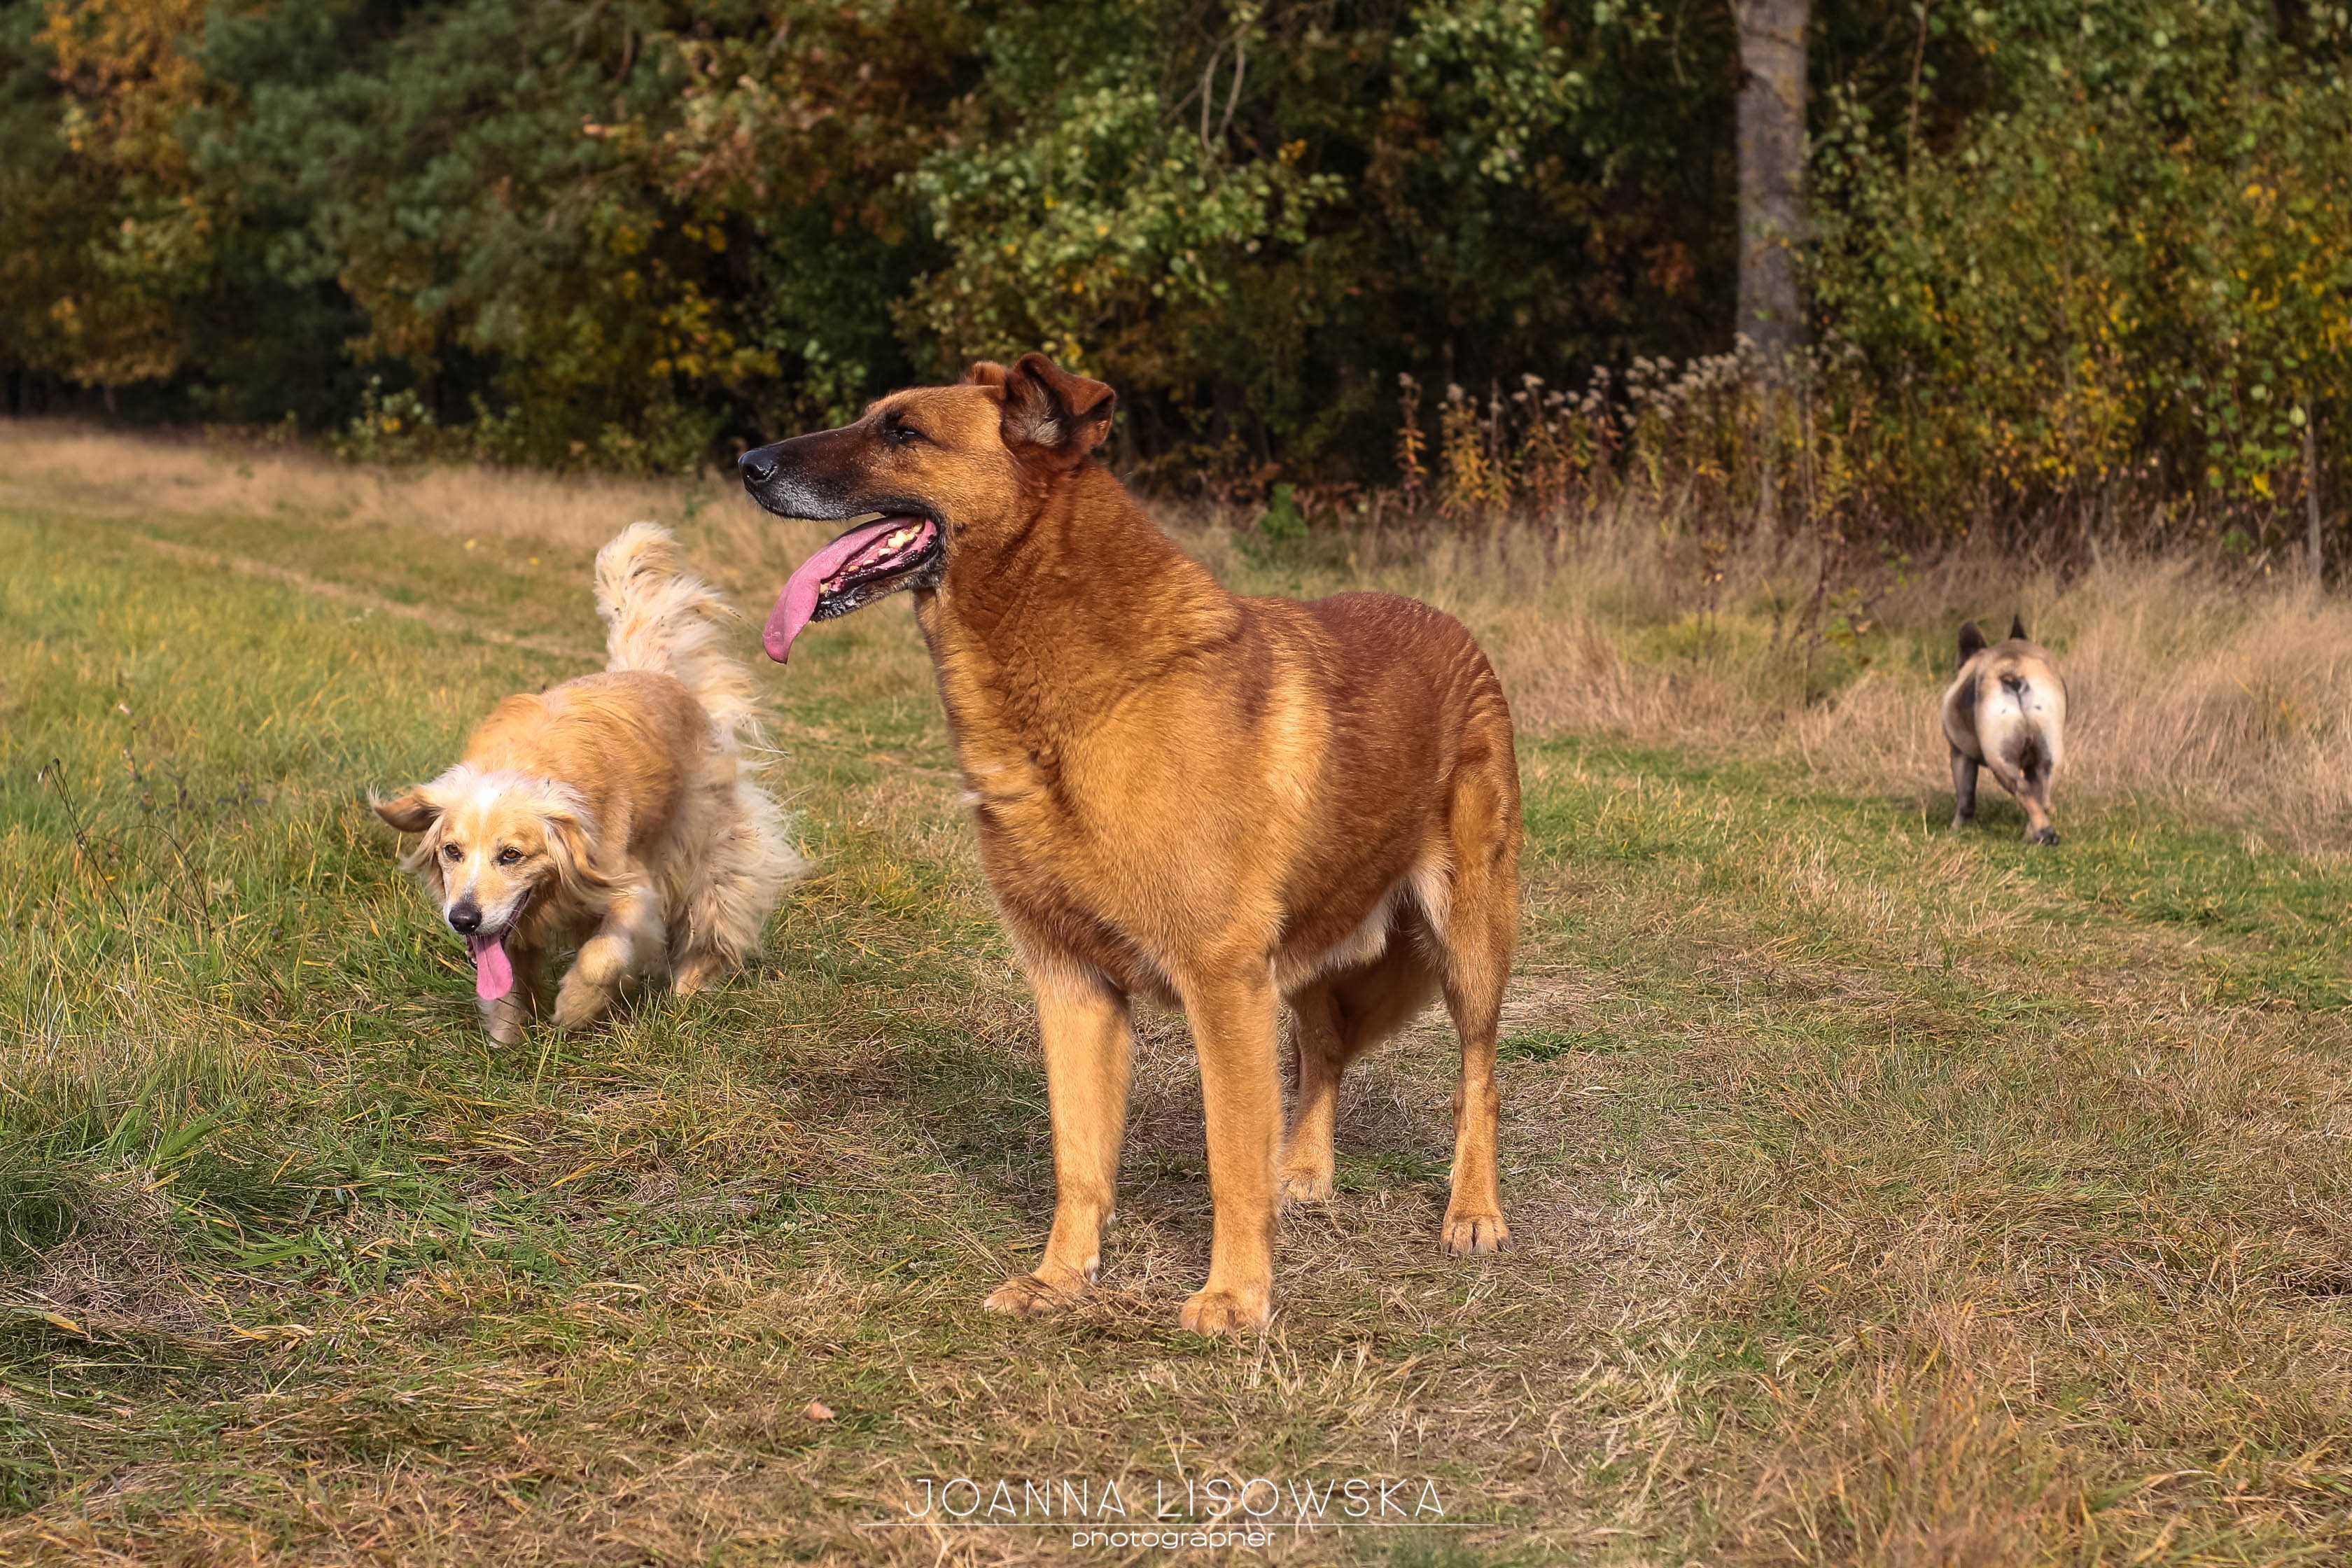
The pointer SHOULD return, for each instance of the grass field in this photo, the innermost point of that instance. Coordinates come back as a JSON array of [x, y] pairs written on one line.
[[1882, 1194]]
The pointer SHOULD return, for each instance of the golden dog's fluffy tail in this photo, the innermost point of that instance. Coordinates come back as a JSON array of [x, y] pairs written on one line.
[[662, 617]]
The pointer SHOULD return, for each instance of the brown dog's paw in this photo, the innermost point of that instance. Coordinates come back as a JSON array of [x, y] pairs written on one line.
[[1032, 1296], [1304, 1187], [1466, 1233], [1226, 1312]]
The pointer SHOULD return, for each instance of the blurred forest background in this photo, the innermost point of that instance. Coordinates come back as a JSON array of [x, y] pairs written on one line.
[[2081, 268]]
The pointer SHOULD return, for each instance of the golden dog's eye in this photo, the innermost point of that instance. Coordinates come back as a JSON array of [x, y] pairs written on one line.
[[509, 855], [451, 852]]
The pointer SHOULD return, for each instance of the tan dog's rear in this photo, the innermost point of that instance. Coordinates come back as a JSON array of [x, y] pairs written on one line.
[[1184, 796], [615, 811], [2006, 711]]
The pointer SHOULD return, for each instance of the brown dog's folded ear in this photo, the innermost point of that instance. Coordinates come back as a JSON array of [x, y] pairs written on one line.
[[985, 373], [2017, 628], [1049, 410], [1971, 641], [409, 810]]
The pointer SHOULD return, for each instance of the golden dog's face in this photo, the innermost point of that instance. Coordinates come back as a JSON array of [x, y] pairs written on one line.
[[948, 471], [492, 843]]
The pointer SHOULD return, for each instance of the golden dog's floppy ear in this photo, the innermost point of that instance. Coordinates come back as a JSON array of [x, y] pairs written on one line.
[[411, 811], [1049, 411], [572, 845]]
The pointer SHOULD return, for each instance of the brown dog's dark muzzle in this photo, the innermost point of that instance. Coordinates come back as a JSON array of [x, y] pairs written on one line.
[[815, 476]]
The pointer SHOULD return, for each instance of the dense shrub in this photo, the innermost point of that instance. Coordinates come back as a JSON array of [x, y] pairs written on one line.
[[2064, 254]]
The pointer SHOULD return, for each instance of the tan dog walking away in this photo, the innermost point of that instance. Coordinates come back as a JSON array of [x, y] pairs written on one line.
[[1210, 801], [2006, 711]]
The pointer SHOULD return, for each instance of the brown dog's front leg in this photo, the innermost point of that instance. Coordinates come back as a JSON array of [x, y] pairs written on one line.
[[1233, 1028], [1089, 1051]]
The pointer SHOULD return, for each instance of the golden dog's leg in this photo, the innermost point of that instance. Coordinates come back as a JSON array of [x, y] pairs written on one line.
[[1235, 1029], [1321, 1053], [1088, 1053], [631, 940], [505, 1017]]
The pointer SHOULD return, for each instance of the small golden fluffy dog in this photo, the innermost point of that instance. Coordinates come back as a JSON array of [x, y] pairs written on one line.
[[616, 811], [2006, 711]]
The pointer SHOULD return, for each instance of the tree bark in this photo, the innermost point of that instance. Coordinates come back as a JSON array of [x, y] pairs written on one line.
[[1771, 171], [2315, 537]]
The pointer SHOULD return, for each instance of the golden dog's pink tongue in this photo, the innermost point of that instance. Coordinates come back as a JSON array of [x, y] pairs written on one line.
[[798, 601], [493, 973]]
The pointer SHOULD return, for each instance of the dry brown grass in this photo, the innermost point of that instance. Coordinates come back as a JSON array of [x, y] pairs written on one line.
[[1888, 1197]]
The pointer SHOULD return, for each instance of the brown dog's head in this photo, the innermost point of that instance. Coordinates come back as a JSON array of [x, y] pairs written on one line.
[[492, 843], [945, 467]]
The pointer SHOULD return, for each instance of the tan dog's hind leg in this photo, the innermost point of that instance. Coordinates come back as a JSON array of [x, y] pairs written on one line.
[[1088, 1054], [1234, 1030], [1964, 788], [631, 940], [1479, 929]]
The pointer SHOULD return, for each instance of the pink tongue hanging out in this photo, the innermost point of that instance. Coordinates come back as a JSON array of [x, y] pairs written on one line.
[[493, 973], [797, 604]]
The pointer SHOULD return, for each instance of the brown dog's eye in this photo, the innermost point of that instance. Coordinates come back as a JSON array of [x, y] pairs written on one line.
[[898, 432], [452, 853], [509, 855]]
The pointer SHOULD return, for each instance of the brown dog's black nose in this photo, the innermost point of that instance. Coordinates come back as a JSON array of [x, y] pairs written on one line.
[[759, 465]]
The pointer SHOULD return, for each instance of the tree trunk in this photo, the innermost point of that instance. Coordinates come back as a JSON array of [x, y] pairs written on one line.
[[1771, 171], [2314, 539]]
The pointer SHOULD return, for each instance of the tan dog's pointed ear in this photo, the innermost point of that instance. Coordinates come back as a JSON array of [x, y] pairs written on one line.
[[1972, 641], [986, 373], [410, 811], [1049, 411], [2017, 628]]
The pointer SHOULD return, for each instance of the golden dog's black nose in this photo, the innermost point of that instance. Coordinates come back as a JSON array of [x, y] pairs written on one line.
[[466, 919]]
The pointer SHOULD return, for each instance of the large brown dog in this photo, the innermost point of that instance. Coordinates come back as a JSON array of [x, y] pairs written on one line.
[[1181, 795]]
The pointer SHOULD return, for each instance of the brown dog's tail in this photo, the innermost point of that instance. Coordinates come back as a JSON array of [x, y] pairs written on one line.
[[661, 617]]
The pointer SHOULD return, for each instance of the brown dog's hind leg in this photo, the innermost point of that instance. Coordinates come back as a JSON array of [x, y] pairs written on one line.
[[1338, 1019], [1088, 1053], [1320, 1046], [1479, 928], [1234, 1027]]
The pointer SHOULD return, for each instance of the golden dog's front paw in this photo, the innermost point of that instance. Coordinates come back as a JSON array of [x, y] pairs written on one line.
[[1033, 1296], [579, 1004], [1301, 1185], [1466, 1231], [696, 973], [1226, 1312]]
